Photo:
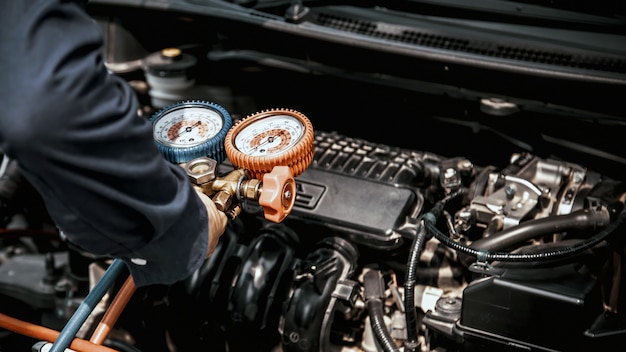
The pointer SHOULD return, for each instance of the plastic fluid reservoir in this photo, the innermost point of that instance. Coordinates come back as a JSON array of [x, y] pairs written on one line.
[[169, 73]]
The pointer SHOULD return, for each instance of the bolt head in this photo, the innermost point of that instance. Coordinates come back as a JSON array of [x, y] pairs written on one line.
[[201, 170]]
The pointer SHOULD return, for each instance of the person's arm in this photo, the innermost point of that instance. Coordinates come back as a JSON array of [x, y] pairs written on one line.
[[74, 130]]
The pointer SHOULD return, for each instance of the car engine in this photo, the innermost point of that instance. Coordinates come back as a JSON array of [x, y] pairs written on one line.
[[449, 205]]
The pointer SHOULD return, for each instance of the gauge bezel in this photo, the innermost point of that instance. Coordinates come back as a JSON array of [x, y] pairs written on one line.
[[212, 146], [249, 124], [297, 156]]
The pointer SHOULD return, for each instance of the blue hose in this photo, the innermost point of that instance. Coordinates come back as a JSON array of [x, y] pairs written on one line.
[[86, 307]]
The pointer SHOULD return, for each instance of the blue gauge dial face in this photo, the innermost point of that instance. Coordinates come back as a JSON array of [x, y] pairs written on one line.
[[187, 126]]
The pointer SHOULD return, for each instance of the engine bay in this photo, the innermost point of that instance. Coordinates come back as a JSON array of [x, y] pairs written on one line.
[[449, 205]]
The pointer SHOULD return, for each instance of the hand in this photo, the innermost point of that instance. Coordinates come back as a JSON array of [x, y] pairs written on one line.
[[217, 220]]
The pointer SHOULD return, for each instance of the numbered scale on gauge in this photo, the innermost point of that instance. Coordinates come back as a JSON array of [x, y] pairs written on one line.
[[191, 129], [274, 135], [269, 138], [188, 127]]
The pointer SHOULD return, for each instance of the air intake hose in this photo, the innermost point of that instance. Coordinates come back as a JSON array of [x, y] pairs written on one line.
[[321, 286]]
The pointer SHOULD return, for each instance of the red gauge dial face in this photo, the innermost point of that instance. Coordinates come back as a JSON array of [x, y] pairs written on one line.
[[269, 136], [271, 142]]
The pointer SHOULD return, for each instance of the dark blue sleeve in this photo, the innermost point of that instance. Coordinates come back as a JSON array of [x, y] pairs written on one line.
[[74, 129]]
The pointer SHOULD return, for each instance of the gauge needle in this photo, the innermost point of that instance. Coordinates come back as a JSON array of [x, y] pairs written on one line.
[[269, 139], [190, 128]]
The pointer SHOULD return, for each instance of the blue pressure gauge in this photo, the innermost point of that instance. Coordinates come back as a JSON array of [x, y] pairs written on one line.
[[190, 129]]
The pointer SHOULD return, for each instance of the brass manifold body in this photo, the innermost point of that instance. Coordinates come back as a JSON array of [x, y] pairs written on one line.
[[236, 185]]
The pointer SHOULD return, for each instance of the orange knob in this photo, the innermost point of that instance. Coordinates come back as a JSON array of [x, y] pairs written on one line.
[[278, 193]]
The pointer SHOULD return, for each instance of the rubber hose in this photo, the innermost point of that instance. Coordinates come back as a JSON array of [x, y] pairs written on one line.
[[411, 272], [409, 283], [523, 257], [374, 292], [46, 334], [579, 220], [375, 309], [86, 307]]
